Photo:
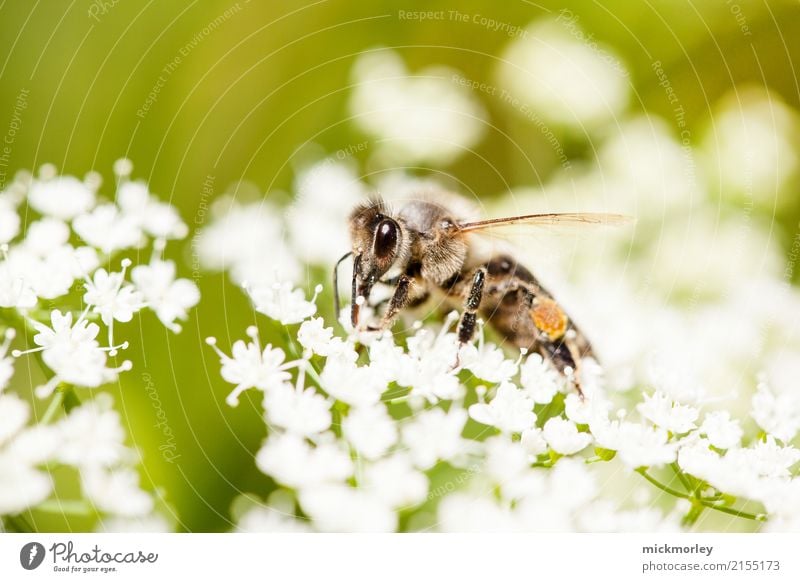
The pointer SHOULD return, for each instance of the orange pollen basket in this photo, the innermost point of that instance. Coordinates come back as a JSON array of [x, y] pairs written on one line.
[[549, 318]]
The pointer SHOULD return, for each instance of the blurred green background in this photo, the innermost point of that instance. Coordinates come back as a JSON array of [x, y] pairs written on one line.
[[242, 87]]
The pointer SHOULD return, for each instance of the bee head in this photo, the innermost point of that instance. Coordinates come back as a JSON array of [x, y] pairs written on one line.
[[377, 243]]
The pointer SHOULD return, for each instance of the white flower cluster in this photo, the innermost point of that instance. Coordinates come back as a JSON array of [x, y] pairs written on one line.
[[90, 440], [358, 437], [690, 314], [415, 118], [553, 75], [374, 432], [61, 279], [64, 286]]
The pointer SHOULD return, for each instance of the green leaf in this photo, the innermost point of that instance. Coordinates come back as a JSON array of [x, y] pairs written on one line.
[[605, 454]]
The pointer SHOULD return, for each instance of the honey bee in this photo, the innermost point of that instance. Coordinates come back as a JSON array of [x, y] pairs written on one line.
[[426, 247]]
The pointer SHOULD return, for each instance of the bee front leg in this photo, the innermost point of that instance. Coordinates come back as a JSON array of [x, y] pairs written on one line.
[[466, 327], [399, 300]]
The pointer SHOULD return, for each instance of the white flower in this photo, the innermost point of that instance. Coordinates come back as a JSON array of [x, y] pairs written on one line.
[[676, 374], [662, 411], [720, 430], [540, 379], [305, 413], [428, 365], [15, 290], [533, 442], [235, 241], [757, 473], [169, 297], [637, 445], [340, 508], [14, 413], [116, 491], [52, 276], [782, 501], [21, 484], [778, 415], [281, 302], [24, 275], [641, 168], [326, 193], [73, 353], [9, 220], [36, 444], [108, 229], [488, 362], [434, 435], [564, 491], [561, 79], [370, 430], [314, 336], [733, 473], [417, 118], [290, 460], [249, 366], [751, 147], [45, 236], [63, 197], [396, 482], [768, 458], [505, 461], [92, 436], [158, 219], [563, 437], [467, 512], [603, 516], [585, 410], [81, 260], [511, 410], [355, 385], [111, 299]]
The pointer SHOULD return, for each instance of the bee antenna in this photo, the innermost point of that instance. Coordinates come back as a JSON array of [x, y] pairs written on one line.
[[336, 301]]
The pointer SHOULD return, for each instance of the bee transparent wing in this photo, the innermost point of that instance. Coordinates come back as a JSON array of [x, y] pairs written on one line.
[[550, 219]]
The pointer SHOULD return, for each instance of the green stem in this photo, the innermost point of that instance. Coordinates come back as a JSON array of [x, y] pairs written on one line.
[[684, 479], [705, 503], [694, 513], [643, 472], [737, 513], [55, 402], [66, 507]]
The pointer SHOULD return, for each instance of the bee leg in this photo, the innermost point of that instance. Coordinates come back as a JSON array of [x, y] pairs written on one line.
[[565, 357], [391, 282], [575, 352], [469, 319], [400, 298]]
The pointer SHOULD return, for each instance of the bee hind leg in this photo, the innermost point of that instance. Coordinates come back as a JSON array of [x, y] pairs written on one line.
[[469, 319], [565, 355]]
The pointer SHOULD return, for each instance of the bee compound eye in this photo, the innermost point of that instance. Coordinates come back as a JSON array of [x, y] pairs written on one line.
[[385, 238]]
